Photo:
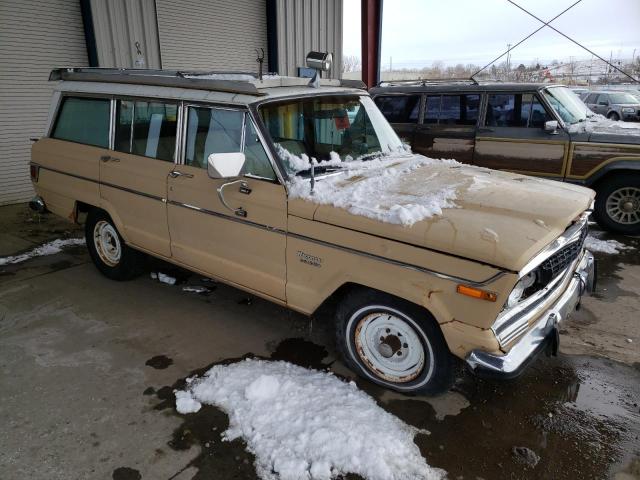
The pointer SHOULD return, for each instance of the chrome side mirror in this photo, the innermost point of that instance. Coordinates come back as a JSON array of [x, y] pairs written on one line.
[[551, 126], [225, 165]]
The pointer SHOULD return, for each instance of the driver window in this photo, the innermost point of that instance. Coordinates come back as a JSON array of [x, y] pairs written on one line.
[[256, 160], [212, 130]]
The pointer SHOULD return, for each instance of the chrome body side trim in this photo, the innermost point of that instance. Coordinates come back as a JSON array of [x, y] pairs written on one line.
[[416, 268], [543, 332]]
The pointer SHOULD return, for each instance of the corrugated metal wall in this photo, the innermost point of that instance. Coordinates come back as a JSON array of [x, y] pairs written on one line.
[[206, 35], [118, 26], [308, 25], [35, 36]]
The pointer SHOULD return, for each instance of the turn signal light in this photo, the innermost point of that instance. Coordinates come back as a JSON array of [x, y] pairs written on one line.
[[476, 293]]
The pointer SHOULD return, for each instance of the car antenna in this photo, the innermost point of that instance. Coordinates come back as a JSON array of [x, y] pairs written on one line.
[[260, 60]]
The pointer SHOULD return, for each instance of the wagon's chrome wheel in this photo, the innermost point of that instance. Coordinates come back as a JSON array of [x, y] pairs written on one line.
[[623, 205], [390, 347], [107, 243]]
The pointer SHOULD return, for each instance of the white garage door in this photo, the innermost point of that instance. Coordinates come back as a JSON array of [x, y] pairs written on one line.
[[206, 35], [35, 36]]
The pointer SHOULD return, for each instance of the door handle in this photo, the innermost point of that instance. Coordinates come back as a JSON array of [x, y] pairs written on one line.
[[176, 174], [109, 158], [244, 188]]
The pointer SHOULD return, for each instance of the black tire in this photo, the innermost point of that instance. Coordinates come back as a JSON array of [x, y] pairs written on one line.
[[607, 191], [360, 306], [129, 263], [613, 116]]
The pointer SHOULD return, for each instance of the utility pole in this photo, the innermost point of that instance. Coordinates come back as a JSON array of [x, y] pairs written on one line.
[[508, 60], [390, 63]]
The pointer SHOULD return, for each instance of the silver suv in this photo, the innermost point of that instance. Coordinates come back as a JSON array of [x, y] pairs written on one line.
[[615, 105]]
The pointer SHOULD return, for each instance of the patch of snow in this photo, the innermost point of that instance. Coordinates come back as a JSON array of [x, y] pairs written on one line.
[[195, 289], [600, 124], [594, 244], [225, 76], [307, 424], [378, 189], [161, 277], [49, 248]]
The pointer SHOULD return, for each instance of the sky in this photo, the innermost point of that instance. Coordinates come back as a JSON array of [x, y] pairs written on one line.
[[415, 33]]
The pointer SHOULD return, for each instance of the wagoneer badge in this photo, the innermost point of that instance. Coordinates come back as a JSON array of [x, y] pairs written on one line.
[[309, 259]]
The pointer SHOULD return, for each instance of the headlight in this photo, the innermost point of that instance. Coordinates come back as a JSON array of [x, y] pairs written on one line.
[[518, 291], [628, 110]]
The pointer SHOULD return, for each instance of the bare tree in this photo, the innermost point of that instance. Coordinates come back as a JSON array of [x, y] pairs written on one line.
[[350, 63]]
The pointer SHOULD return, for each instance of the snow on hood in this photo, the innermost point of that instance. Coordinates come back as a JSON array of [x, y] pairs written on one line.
[[381, 188], [597, 123], [302, 423]]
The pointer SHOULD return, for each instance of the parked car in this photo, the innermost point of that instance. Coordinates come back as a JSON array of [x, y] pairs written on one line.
[[212, 173], [581, 92], [615, 105], [535, 129]]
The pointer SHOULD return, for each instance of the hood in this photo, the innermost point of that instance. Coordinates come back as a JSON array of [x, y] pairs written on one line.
[[493, 217], [603, 130]]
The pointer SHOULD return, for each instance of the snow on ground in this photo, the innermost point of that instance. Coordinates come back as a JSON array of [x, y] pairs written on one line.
[[195, 289], [377, 188], [307, 424], [49, 248], [163, 278], [594, 244]]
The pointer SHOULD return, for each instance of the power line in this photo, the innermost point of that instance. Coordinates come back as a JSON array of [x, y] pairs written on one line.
[[525, 38], [571, 39]]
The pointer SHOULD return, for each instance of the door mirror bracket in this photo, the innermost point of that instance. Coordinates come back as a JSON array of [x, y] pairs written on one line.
[[244, 187], [225, 165]]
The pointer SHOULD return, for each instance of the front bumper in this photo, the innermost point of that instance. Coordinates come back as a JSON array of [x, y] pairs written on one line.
[[544, 334]]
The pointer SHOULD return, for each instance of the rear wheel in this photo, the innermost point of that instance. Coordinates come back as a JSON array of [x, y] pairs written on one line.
[[617, 207], [393, 343], [107, 249]]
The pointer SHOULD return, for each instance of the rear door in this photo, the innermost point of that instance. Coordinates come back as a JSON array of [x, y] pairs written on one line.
[[512, 137], [232, 228], [402, 112], [448, 126], [134, 176]]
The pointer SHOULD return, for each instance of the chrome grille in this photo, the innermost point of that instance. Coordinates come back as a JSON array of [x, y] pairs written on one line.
[[559, 261]]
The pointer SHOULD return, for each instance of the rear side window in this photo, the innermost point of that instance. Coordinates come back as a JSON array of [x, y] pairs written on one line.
[[459, 109], [146, 128], [83, 120], [591, 98], [399, 108]]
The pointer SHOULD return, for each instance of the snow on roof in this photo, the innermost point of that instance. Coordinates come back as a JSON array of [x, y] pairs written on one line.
[[383, 188], [302, 423]]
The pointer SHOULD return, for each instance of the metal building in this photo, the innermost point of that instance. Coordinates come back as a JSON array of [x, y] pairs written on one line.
[[38, 35]]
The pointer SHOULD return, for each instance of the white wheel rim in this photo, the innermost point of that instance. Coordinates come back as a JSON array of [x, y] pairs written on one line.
[[623, 205], [390, 347], [107, 243]]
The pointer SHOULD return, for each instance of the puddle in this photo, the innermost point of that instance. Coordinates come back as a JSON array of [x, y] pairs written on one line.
[[159, 362], [126, 473], [301, 352]]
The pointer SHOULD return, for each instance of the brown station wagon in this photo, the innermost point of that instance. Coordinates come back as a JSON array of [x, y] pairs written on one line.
[[301, 193], [534, 129]]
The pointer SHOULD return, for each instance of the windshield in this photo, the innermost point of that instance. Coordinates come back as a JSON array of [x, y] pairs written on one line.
[[622, 98], [566, 104], [327, 127]]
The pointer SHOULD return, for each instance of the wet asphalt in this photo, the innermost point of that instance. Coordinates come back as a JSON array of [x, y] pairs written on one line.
[[88, 368]]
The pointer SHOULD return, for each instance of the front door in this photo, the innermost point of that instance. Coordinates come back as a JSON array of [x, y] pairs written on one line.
[[448, 127], [244, 241], [133, 177], [512, 137]]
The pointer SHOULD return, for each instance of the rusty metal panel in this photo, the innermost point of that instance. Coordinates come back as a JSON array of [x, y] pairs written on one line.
[[308, 25], [126, 33]]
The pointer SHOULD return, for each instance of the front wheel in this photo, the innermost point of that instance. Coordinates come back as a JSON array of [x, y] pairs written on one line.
[[617, 207], [393, 343], [107, 249], [614, 116]]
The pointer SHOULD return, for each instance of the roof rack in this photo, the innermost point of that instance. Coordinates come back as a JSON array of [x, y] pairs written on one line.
[[232, 82], [427, 81]]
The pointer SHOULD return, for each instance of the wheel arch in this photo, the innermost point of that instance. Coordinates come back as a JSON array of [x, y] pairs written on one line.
[[83, 207], [618, 167]]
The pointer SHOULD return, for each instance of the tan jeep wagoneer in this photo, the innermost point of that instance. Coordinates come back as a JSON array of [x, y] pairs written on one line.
[[211, 172]]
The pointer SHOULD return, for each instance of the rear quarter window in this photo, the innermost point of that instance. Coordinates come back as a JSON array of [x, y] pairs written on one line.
[[83, 120]]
